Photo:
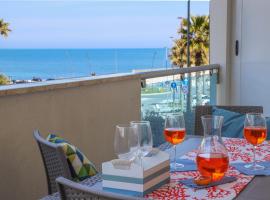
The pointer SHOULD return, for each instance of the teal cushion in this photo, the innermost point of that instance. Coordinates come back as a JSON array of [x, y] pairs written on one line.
[[268, 127], [233, 124]]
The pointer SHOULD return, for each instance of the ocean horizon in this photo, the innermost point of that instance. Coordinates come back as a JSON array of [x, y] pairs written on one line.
[[24, 64]]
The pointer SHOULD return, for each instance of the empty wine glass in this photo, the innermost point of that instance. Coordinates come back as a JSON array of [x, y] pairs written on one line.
[[255, 132], [174, 133], [145, 138], [126, 142]]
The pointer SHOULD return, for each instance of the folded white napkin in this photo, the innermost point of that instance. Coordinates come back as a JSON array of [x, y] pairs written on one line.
[[121, 164], [125, 164], [153, 152]]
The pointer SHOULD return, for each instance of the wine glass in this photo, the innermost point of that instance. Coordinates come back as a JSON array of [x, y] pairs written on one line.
[[174, 133], [144, 134], [126, 142], [255, 132]]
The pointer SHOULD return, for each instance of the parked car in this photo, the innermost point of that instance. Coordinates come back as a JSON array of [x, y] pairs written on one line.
[[205, 100]]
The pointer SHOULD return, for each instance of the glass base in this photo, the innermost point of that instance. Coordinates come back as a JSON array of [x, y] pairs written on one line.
[[176, 166], [254, 166]]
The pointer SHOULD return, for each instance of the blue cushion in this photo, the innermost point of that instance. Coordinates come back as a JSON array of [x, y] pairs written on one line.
[[233, 124], [268, 127]]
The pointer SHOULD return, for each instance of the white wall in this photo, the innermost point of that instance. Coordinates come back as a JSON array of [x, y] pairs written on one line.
[[244, 78], [236, 13], [255, 54], [219, 45]]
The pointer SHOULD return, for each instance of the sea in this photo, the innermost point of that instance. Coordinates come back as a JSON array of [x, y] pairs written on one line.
[[24, 64]]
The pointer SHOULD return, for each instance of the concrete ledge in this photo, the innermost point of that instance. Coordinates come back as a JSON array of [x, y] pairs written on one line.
[[25, 88]]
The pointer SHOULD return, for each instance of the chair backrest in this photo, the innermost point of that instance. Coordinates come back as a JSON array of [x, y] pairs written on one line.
[[54, 160], [70, 190], [207, 110]]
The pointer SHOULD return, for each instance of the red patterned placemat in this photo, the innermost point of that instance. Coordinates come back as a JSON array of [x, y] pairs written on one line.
[[176, 190], [239, 151]]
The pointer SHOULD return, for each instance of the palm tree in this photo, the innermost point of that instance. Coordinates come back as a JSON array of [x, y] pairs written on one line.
[[199, 47], [4, 31], [199, 42], [4, 28]]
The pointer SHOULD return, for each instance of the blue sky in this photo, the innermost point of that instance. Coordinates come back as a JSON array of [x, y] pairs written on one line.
[[94, 24]]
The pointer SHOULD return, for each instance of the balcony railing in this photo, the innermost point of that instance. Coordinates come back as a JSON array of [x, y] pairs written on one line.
[[176, 90]]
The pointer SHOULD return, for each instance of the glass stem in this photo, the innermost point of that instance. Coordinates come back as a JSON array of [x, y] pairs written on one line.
[[139, 156], [174, 146], [254, 155]]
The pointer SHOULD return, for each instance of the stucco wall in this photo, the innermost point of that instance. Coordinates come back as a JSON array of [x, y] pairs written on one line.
[[220, 21], [84, 115], [251, 68]]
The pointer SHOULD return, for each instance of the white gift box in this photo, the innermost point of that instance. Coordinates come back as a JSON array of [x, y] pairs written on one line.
[[137, 180]]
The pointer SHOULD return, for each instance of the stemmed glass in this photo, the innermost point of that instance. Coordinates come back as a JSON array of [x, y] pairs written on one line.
[[126, 142], [145, 138], [174, 133], [255, 132]]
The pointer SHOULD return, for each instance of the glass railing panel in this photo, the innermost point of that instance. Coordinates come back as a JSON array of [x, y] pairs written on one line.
[[213, 88], [159, 97], [179, 93]]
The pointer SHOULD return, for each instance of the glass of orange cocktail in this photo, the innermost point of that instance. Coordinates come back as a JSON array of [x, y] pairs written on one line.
[[255, 132], [174, 133]]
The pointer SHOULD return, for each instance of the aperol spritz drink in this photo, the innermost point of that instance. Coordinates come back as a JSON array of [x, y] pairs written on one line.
[[174, 133], [212, 165], [255, 135], [255, 132]]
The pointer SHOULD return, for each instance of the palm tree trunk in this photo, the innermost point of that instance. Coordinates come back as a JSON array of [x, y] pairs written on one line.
[[188, 58], [197, 89], [188, 108], [180, 101], [203, 86]]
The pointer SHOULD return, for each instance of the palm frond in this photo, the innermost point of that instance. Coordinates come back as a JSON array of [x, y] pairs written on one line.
[[4, 28], [199, 42]]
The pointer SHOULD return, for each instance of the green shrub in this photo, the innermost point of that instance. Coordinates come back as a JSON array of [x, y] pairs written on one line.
[[4, 80], [157, 125]]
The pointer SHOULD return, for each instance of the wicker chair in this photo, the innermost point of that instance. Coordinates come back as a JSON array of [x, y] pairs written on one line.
[[54, 161], [70, 190], [207, 110]]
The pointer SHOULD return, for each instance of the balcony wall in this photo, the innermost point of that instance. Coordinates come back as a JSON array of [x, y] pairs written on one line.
[[83, 111]]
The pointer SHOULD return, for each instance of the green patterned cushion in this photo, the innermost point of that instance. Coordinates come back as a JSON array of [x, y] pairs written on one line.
[[80, 167]]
